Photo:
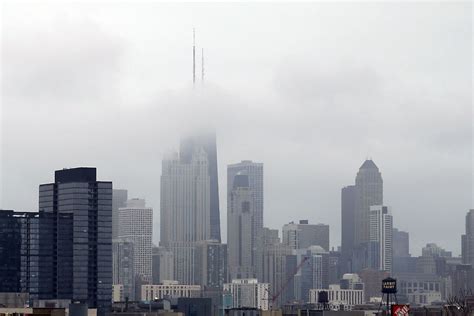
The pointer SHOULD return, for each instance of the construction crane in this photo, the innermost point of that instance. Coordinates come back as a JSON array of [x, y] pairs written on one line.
[[275, 296]]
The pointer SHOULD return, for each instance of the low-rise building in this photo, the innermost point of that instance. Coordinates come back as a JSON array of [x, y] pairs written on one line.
[[169, 289], [248, 293], [339, 298]]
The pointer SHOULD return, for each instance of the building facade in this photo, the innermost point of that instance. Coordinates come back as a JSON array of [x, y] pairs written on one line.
[[381, 238], [241, 217], [119, 199], [248, 293], [206, 141], [185, 210], [169, 289], [368, 192], [303, 235], [136, 226], [347, 227], [79, 241], [123, 268], [254, 172]]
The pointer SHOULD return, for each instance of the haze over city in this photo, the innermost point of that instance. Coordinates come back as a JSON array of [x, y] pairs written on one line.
[[311, 90]]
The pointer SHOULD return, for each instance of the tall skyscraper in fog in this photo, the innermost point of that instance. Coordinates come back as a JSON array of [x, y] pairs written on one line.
[[381, 238], [185, 216], [207, 142], [468, 240], [254, 172], [135, 223], [241, 215], [119, 199], [79, 267], [348, 199], [401, 243], [368, 192]]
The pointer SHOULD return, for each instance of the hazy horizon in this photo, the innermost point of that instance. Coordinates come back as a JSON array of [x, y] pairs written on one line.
[[309, 89]]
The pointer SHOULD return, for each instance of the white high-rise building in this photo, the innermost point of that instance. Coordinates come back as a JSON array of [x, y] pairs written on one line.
[[248, 293], [185, 210], [135, 225], [240, 234], [381, 238]]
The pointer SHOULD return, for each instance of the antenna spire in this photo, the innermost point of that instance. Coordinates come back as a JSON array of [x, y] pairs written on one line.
[[194, 56], [202, 65]]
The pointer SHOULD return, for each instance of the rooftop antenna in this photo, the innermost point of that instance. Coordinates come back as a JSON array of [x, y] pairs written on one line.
[[194, 56], [202, 65]]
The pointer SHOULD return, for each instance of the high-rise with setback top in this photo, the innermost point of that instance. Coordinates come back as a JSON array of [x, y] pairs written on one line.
[[185, 216]]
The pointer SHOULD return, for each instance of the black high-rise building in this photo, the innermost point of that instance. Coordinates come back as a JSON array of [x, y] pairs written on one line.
[[206, 141], [19, 252], [79, 238]]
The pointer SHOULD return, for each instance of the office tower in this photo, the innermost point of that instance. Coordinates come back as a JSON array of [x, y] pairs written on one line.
[[315, 271], [207, 142], [368, 192], [335, 268], [211, 264], [468, 240], [19, 252], [135, 222], [254, 171], [163, 264], [274, 265], [348, 204], [380, 242], [401, 244], [240, 230], [123, 267], [211, 269], [185, 210], [248, 293], [433, 250], [119, 199], [303, 235], [79, 265]]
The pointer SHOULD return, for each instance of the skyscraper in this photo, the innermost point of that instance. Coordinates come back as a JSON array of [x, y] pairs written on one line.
[[119, 199], [315, 271], [135, 225], [368, 192], [380, 242], [348, 205], [19, 252], [401, 243], [207, 142], [468, 240], [254, 173], [303, 235], [123, 266], [241, 217], [79, 266], [185, 216]]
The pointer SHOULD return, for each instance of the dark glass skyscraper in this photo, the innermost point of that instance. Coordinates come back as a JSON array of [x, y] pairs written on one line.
[[80, 238], [19, 252], [206, 141]]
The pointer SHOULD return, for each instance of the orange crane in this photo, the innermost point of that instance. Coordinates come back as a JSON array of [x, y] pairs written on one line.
[[275, 296]]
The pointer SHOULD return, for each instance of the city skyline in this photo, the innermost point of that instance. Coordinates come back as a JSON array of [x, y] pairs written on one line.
[[424, 171]]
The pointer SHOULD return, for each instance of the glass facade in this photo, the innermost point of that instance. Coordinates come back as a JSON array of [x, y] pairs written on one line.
[[77, 224]]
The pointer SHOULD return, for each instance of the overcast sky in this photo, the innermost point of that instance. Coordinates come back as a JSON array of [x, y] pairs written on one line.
[[311, 90]]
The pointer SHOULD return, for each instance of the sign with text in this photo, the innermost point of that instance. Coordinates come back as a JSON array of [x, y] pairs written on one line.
[[400, 310]]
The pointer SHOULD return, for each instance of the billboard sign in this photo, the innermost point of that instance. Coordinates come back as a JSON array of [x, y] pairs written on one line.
[[400, 310]]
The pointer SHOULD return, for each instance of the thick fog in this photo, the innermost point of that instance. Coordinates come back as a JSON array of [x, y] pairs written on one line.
[[311, 90]]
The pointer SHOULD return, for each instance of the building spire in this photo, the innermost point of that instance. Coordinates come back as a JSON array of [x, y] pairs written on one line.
[[194, 56], [202, 65]]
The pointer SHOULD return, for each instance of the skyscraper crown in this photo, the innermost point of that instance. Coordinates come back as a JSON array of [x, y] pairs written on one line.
[[369, 164]]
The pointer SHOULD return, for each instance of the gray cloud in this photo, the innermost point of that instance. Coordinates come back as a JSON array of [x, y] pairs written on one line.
[[90, 85]]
